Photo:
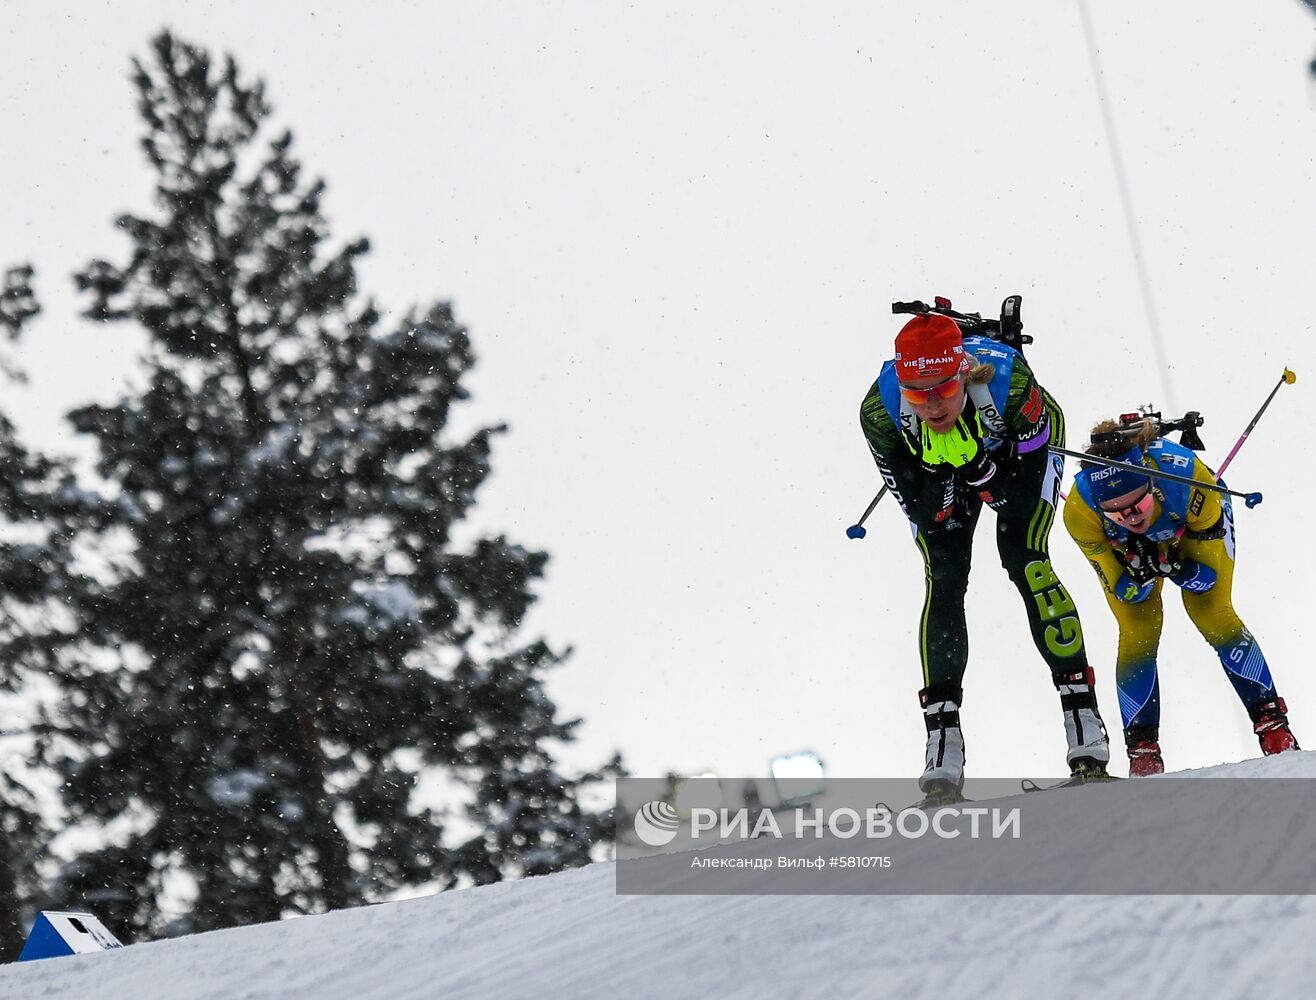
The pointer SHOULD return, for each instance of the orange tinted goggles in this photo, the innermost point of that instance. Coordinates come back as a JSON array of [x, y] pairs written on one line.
[[1139, 506], [942, 390]]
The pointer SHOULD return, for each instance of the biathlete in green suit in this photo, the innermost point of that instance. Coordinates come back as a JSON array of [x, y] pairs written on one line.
[[956, 423]]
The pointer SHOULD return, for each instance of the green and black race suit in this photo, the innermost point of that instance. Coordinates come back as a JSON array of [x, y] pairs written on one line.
[[1014, 418]]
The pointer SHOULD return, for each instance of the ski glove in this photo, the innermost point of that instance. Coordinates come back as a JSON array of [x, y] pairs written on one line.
[[982, 475], [1131, 591], [1193, 576], [937, 502], [1144, 560], [989, 491]]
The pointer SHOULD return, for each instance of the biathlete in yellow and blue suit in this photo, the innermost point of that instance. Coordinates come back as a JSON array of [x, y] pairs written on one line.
[[1137, 532]]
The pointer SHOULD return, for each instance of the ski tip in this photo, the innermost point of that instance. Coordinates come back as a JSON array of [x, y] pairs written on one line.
[[1289, 377], [1252, 499], [859, 531]]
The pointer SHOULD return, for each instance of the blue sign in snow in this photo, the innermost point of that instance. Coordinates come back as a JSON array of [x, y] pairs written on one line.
[[55, 935]]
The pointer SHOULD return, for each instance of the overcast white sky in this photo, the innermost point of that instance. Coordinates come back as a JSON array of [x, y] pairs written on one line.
[[674, 233]]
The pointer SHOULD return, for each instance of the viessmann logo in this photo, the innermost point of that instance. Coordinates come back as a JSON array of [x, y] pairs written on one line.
[[923, 362], [935, 362]]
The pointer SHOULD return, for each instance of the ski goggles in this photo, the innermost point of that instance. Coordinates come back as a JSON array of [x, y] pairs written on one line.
[[1135, 509], [942, 390]]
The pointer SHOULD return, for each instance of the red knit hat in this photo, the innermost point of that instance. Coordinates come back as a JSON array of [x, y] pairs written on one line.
[[930, 345]]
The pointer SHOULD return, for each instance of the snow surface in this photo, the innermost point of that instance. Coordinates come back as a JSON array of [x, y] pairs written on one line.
[[571, 935]]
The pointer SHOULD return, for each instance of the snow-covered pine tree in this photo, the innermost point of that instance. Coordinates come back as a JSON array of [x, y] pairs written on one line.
[[296, 640], [32, 563]]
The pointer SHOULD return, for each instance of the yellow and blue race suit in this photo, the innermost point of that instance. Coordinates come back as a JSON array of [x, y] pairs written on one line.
[[1191, 527]]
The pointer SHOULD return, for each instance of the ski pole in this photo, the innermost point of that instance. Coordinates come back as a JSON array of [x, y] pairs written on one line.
[[1251, 499], [857, 529], [1288, 378]]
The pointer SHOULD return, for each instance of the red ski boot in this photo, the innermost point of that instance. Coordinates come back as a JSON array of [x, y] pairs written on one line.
[[1270, 722], [1144, 752]]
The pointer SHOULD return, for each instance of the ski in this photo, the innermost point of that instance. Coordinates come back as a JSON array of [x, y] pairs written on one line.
[[937, 795], [1032, 786]]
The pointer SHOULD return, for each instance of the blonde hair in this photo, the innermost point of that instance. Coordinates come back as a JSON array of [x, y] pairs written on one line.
[[1145, 435], [979, 373]]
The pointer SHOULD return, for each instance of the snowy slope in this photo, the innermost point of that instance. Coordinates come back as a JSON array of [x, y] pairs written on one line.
[[570, 935]]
